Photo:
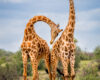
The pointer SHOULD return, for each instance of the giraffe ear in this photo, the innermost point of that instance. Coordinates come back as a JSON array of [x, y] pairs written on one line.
[[57, 25], [60, 30]]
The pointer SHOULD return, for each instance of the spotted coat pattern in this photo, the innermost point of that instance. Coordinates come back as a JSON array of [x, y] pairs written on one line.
[[35, 47], [63, 49]]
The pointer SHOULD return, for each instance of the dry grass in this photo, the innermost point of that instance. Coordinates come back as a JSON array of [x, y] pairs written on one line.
[[42, 76]]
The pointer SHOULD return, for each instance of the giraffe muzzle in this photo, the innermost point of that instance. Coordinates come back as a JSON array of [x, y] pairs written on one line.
[[51, 42]]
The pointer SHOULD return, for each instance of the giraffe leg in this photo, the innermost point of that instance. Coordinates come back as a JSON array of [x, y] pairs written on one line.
[[34, 63], [24, 57], [47, 62], [54, 62], [72, 63], [65, 68]]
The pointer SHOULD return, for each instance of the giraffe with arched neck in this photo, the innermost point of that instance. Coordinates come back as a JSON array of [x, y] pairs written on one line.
[[35, 47], [64, 48]]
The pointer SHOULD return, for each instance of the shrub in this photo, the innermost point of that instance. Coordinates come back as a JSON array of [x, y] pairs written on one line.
[[8, 72], [88, 72], [97, 52]]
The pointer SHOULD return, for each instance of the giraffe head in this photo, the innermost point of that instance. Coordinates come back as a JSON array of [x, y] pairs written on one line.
[[54, 33]]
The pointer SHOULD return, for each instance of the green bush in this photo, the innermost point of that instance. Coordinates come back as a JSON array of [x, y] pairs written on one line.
[[8, 72], [88, 72], [41, 65], [77, 57], [97, 52]]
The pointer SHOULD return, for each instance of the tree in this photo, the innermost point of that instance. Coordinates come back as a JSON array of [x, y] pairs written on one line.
[[97, 52]]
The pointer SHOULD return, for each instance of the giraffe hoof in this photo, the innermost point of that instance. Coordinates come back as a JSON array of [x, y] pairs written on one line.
[[73, 75], [66, 77]]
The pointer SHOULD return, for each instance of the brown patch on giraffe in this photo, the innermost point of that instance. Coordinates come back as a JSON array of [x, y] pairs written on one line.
[[33, 42], [66, 53], [66, 49], [25, 32], [39, 17], [70, 30], [67, 44], [63, 36], [72, 51], [69, 40], [25, 38], [49, 21], [34, 20], [28, 24], [71, 7], [58, 50], [70, 35], [29, 37], [62, 43], [23, 49], [38, 45], [24, 44], [73, 17], [66, 38], [28, 44], [33, 36], [44, 19], [72, 12], [29, 30], [41, 50]]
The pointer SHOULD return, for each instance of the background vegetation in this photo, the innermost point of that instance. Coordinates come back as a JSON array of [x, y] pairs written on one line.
[[87, 65]]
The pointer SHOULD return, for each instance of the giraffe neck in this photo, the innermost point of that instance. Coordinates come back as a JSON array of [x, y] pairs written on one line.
[[32, 21], [71, 22], [42, 18], [29, 31]]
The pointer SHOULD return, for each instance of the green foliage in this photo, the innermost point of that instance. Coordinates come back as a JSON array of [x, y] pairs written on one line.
[[77, 57], [8, 72], [97, 52], [2, 60], [88, 71], [5, 53], [41, 65], [75, 40]]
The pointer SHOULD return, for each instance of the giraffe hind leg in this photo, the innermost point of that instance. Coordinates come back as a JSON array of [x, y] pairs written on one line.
[[47, 62], [24, 57], [34, 63], [54, 63], [72, 63], [65, 68]]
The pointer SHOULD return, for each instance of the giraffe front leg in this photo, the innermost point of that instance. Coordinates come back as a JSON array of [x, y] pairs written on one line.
[[54, 62], [24, 57], [72, 63], [54, 68], [48, 65], [34, 63], [65, 68]]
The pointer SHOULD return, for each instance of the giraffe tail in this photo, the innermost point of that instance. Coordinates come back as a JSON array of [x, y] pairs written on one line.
[[60, 72]]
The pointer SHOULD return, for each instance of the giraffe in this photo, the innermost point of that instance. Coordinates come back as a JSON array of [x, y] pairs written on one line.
[[35, 47], [63, 49]]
